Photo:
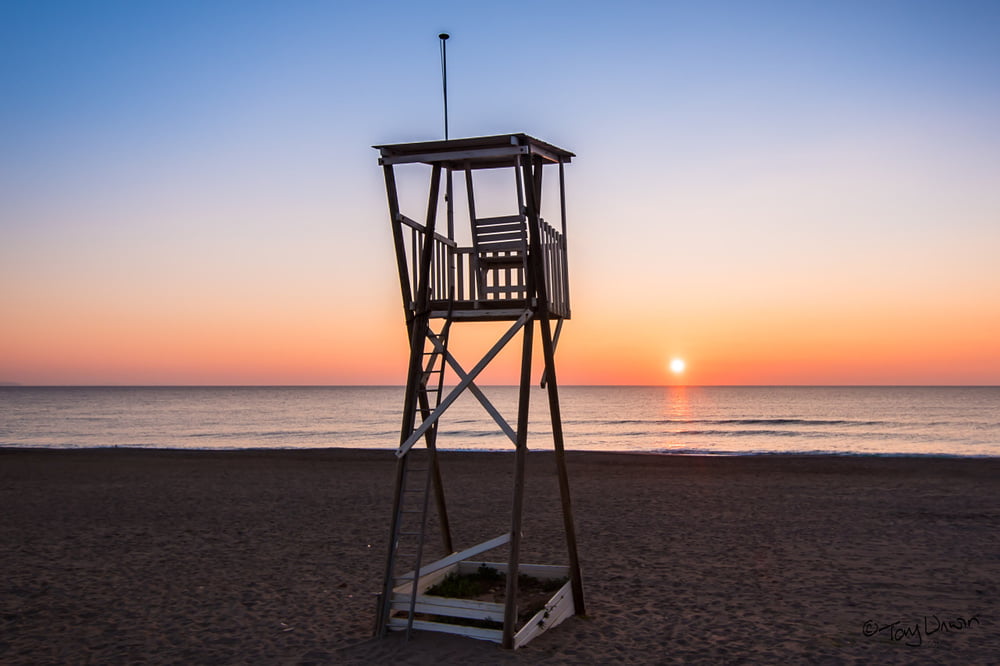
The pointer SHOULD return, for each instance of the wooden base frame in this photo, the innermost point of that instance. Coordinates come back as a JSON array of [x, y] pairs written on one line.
[[559, 607]]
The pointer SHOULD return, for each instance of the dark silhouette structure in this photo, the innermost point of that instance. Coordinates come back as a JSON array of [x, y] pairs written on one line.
[[458, 266]]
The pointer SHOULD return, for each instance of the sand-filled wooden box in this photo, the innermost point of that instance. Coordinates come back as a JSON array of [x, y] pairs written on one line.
[[475, 618]]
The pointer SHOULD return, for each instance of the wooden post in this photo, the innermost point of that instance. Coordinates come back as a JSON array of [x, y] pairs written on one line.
[[564, 242], [479, 279], [418, 335], [449, 192], [397, 239], [537, 203], [439, 500], [427, 251], [552, 385], [517, 506], [423, 300], [449, 196], [386, 597], [557, 439], [418, 332]]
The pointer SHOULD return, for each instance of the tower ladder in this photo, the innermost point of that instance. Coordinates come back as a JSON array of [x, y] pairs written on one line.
[[417, 468]]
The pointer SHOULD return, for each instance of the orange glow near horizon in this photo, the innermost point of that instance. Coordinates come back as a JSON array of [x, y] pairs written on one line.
[[316, 360], [246, 345]]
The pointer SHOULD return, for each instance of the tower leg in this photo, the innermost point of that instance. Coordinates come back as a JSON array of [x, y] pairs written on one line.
[[430, 438], [385, 599], [418, 333], [520, 453], [560, 453], [532, 185]]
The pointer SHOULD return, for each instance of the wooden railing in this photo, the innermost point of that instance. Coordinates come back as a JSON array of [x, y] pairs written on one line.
[[453, 273], [556, 274]]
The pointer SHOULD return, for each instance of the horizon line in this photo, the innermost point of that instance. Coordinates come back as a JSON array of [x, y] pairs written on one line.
[[403, 386]]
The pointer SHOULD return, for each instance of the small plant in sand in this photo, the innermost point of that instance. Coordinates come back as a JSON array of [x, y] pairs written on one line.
[[486, 580]]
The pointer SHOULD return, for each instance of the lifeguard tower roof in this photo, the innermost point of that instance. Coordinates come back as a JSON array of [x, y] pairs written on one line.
[[480, 152]]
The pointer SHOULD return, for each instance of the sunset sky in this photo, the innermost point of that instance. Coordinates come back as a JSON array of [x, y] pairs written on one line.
[[775, 192]]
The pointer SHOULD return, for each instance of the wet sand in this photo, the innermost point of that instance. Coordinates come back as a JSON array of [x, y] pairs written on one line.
[[126, 556]]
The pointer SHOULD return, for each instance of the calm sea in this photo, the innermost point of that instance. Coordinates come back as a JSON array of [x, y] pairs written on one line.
[[952, 421]]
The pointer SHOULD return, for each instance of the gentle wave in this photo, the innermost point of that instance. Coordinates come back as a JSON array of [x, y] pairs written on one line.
[[781, 421], [753, 433], [692, 451], [289, 433]]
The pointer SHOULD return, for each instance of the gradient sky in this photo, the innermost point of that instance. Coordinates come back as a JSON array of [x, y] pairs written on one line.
[[777, 192]]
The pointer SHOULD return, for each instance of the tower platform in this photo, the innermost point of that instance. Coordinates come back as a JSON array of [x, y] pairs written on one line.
[[486, 274]]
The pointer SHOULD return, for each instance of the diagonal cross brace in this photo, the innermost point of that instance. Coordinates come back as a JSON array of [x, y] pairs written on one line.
[[555, 343], [462, 385], [476, 391]]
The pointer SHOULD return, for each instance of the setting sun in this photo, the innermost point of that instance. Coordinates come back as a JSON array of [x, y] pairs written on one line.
[[677, 365]]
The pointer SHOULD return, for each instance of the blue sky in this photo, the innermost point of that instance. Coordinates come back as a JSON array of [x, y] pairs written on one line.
[[797, 167]]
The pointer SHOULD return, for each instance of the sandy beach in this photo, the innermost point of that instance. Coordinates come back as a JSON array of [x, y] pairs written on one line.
[[142, 556]]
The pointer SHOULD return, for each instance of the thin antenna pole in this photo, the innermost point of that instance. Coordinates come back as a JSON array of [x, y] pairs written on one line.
[[444, 78]]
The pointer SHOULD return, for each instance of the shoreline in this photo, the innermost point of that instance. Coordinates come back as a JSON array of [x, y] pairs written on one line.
[[654, 453], [264, 555]]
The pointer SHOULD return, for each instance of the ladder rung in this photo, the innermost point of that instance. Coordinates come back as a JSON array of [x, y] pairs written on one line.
[[401, 604]]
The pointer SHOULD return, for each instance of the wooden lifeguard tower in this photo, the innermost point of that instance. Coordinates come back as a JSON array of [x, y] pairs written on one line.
[[509, 268]]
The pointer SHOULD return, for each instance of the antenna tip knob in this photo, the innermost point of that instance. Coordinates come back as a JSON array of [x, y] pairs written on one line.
[[444, 35]]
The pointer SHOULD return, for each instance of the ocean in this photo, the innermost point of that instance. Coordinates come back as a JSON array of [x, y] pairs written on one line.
[[885, 421]]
